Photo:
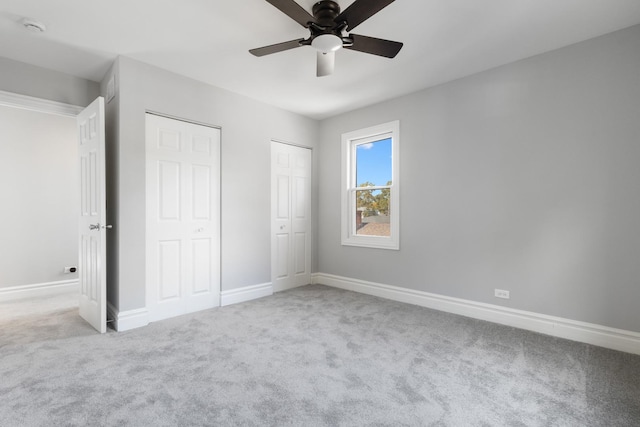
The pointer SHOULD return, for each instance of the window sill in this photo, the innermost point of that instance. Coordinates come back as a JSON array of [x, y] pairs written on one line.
[[371, 242]]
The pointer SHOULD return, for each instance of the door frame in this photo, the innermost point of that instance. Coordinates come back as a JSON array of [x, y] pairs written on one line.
[[39, 105], [311, 212]]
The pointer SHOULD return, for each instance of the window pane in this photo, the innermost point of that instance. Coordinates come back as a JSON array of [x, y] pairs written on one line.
[[372, 212], [373, 163]]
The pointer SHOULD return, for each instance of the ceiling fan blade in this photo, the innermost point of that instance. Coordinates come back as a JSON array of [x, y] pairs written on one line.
[[374, 46], [275, 48], [360, 11], [326, 63], [294, 11]]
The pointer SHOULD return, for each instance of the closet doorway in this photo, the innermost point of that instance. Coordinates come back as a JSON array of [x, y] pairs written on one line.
[[183, 216]]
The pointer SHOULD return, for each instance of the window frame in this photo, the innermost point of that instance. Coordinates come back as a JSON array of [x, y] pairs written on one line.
[[350, 141]]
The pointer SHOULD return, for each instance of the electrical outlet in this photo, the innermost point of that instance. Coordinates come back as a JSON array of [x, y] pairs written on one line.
[[501, 293], [68, 270]]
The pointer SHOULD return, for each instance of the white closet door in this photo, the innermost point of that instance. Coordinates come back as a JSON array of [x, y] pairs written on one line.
[[183, 217], [290, 216]]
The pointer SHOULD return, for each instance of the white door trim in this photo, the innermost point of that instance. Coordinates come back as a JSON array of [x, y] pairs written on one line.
[[306, 147], [182, 119]]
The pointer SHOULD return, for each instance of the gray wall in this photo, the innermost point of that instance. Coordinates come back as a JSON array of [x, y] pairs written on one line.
[[524, 178], [25, 79], [39, 188], [247, 128]]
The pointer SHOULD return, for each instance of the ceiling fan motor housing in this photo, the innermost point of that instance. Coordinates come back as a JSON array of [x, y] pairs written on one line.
[[325, 12], [326, 34]]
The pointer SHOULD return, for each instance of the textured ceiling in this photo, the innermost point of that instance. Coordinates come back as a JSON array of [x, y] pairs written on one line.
[[208, 41]]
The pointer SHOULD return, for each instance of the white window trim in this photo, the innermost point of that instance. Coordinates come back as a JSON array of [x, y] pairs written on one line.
[[349, 141]]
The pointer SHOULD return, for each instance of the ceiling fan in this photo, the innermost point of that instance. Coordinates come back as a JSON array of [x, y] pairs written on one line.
[[330, 31]]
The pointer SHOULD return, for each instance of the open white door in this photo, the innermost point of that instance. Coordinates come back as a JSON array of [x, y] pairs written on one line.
[[290, 216], [92, 218]]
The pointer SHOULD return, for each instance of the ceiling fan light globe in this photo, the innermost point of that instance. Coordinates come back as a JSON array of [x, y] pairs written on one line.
[[327, 43]]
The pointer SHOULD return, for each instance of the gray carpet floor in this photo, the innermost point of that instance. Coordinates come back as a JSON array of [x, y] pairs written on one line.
[[311, 356]]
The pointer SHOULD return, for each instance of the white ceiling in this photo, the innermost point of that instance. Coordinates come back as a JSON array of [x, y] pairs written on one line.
[[208, 40]]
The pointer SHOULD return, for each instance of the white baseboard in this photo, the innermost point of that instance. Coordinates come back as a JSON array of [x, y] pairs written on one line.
[[38, 290], [235, 296], [126, 320], [616, 339]]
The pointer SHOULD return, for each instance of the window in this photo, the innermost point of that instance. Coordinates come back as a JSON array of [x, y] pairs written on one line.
[[370, 187]]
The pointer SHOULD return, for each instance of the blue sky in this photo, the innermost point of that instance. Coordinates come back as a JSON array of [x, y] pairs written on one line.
[[374, 162]]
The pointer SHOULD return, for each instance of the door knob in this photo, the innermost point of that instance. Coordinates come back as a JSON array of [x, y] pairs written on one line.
[[98, 226]]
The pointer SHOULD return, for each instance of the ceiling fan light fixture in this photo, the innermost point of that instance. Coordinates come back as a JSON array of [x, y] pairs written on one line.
[[326, 43]]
